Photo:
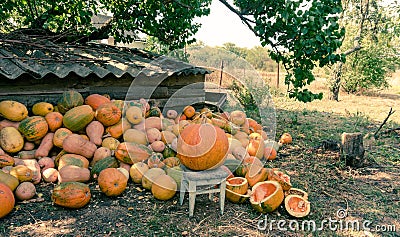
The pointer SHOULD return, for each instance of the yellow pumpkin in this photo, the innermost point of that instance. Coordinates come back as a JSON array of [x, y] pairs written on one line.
[[11, 140], [42, 108], [13, 110]]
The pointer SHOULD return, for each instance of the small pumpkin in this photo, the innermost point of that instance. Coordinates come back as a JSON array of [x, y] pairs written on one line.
[[137, 170], [112, 182], [110, 143], [153, 112], [6, 160], [149, 176], [107, 162], [95, 100], [68, 100], [135, 135], [119, 128], [25, 191], [164, 187], [7, 200], [71, 195], [270, 153], [33, 128], [9, 180], [54, 120], [286, 138], [238, 117], [108, 114], [13, 110], [50, 175], [171, 162], [22, 173], [256, 145], [99, 154], [42, 108], [60, 135], [155, 160], [34, 167], [189, 111], [266, 196], [134, 115]]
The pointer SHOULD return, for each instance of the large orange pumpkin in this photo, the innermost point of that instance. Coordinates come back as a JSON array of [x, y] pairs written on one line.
[[202, 146], [7, 200], [112, 182], [108, 114]]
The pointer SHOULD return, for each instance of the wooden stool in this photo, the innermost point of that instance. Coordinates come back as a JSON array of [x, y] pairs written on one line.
[[191, 180]]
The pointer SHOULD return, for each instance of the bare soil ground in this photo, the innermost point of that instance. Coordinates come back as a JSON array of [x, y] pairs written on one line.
[[370, 193]]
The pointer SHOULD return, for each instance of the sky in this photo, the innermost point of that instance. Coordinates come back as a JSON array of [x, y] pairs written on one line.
[[223, 26]]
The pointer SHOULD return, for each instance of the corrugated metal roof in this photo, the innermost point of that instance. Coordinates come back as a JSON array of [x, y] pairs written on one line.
[[19, 59]]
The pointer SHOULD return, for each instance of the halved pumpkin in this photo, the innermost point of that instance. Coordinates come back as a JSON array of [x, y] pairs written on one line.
[[296, 191], [297, 206], [238, 185], [236, 197], [266, 196], [282, 178]]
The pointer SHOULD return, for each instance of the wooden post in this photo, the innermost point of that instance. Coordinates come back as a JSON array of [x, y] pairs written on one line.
[[277, 78], [352, 150], [220, 77]]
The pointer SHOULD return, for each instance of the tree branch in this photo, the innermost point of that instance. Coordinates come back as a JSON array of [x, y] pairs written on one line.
[[384, 122]]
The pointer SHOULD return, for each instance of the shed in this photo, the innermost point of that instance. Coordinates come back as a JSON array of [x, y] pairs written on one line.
[[39, 70]]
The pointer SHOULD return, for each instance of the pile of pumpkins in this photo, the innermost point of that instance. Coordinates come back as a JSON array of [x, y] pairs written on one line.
[[80, 140]]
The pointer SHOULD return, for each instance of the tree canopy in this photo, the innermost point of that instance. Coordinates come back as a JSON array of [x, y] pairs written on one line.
[[301, 34]]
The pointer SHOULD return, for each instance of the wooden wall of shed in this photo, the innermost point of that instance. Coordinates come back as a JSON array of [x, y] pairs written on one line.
[[30, 91]]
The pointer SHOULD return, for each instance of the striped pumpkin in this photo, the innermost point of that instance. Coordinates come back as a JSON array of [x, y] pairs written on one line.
[[77, 118], [69, 100], [33, 128]]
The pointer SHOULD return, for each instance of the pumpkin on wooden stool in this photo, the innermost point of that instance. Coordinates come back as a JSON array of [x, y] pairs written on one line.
[[202, 146]]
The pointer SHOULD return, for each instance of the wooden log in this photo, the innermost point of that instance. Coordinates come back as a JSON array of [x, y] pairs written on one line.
[[352, 149]]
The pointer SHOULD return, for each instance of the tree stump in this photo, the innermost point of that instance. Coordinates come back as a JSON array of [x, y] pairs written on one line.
[[352, 150]]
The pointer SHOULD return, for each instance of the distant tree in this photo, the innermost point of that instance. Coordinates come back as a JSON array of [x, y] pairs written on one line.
[[231, 47], [259, 57], [371, 46], [301, 34]]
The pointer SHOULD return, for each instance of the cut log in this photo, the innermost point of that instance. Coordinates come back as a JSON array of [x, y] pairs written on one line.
[[352, 150]]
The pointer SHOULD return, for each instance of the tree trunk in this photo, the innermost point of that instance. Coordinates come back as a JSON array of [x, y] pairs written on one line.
[[336, 82], [352, 150]]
